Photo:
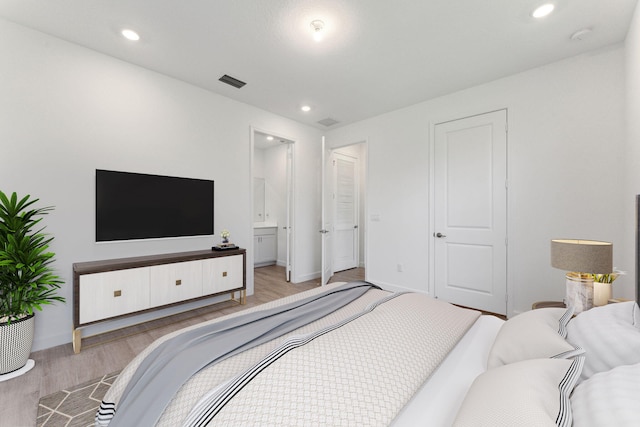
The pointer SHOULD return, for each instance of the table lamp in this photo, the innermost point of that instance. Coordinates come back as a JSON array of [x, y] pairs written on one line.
[[581, 258]]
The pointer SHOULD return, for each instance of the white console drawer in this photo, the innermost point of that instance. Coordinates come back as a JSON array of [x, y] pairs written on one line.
[[113, 293], [222, 274], [175, 282]]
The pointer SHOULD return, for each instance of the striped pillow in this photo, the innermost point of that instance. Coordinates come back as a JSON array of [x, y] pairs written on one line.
[[533, 334]]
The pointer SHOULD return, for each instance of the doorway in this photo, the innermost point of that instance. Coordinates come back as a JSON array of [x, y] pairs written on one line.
[[272, 172], [469, 211], [343, 210]]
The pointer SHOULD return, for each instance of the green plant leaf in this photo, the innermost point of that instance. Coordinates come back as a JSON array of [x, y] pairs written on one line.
[[27, 279]]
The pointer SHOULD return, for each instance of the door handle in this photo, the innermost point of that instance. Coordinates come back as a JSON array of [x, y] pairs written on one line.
[[439, 235], [324, 231], [355, 226]]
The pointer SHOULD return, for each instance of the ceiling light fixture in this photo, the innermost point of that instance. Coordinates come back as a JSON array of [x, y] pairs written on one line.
[[269, 138], [130, 35], [542, 11], [305, 108], [317, 26]]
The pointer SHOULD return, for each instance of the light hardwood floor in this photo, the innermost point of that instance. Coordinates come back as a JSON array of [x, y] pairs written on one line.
[[58, 367]]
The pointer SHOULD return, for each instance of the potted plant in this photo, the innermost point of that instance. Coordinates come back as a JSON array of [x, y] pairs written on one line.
[[27, 279], [602, 287]]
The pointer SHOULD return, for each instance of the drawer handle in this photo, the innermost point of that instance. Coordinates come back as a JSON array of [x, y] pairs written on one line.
[[117, 293], [224, 274], [178, 282]]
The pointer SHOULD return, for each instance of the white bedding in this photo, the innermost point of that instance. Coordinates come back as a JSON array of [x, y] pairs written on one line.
[[438, 401], [397, 363], [461, 387]]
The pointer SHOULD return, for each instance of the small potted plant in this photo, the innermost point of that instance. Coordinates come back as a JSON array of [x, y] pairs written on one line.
[[27, 279]]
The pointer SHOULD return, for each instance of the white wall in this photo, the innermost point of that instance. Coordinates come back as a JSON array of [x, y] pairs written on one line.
[[565, 155], [632, 150], [66, 110]]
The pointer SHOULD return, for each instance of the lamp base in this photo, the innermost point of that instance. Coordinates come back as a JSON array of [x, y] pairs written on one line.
[[579, 292]]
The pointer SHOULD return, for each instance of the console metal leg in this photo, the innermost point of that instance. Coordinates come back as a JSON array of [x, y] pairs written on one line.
[[242, 298]]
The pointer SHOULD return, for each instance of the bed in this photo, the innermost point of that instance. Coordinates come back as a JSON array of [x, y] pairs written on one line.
[[354, 354]]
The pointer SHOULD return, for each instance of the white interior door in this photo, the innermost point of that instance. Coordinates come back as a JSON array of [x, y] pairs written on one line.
[[470, 211], [346, 212], [288, 225], [327, 220]]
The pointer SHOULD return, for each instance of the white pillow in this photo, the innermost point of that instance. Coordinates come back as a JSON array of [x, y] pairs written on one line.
[[529, 393], [610, 336], [534, 334], [609, 398]]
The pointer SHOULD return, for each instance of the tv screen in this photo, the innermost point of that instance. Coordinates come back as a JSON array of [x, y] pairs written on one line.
[[139, 206]]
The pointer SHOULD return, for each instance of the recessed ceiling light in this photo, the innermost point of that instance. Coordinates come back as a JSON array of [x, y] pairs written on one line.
[[269, 138], [305, 108], [130, 35], [542, 11], [317, 26]]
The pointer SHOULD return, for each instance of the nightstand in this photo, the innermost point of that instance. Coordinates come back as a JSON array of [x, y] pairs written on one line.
[[546, 304]]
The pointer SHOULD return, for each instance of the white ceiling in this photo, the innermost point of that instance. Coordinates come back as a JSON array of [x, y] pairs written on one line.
[[376, 56]]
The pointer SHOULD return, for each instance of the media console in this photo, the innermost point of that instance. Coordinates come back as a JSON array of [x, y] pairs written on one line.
[[110, 289]]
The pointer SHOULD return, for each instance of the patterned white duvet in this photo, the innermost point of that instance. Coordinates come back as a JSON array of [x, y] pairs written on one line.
[[361, 373]]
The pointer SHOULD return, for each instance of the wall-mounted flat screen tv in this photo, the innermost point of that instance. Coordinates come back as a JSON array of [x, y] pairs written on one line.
[[133, 206]]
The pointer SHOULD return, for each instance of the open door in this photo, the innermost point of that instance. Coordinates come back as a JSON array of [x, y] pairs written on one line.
[[327, 215], [288, 225]]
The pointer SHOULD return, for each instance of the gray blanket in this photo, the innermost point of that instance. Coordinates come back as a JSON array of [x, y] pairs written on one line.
[[172, 363]]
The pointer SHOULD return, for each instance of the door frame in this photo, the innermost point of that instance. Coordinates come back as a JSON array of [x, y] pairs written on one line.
[[431, 229], [290, 198], [364, 205]]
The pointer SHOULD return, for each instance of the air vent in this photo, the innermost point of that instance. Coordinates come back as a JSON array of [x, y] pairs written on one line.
[[232, 81], [328, 122]]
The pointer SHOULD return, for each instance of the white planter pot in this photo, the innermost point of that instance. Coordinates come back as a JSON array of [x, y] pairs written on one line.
[[602, 293], [16, 340]]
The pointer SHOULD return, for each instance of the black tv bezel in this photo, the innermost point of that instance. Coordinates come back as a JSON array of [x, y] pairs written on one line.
[[100, 236]]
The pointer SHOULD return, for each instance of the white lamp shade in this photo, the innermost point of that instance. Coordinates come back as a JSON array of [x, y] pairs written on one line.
[[583, 256]]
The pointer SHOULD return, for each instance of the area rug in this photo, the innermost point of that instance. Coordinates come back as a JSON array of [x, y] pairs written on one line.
[[75, 406]]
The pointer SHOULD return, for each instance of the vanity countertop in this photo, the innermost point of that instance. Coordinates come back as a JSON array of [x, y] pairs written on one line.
[[265, 224]]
